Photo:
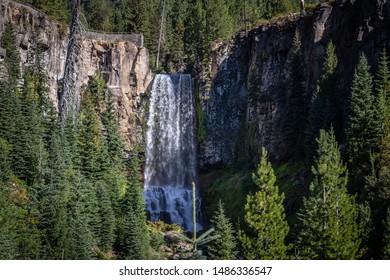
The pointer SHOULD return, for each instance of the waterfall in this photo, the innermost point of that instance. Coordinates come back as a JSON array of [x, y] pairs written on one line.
[[171, 150]]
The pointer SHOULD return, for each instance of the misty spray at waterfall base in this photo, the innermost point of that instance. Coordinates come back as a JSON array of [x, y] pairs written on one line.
[[171, 150]]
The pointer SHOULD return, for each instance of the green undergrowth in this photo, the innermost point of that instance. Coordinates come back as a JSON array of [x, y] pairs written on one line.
[[292, 180], [232, 184]]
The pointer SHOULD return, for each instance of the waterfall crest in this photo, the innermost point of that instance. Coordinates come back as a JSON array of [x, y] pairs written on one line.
[[171, 150]]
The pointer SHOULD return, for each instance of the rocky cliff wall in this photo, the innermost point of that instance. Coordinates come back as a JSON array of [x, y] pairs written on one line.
[[124, 63], [243, 107]]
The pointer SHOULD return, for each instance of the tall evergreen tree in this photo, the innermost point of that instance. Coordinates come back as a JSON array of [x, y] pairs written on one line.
[[114, 177], [113, 138], [378, 182], [329, 220], [8, 223], [9, 97], [223, 248], [218, 19], [92, 157], [362, 128], [133, 233], [12, 59], [107, 218], [265, 217], [80, 241], [29, 153], [5, 169], [55, 196], [383, 108]]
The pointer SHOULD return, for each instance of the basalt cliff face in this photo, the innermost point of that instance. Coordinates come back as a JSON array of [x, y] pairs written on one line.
[[122, 60], [243, 96]]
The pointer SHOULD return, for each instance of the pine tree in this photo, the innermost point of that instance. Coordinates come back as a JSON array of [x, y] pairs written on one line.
[[107, 218], [19, 237], [223, 248], [29, 153], [114, 177], [383, 111], [113, 139], [8, 224], [5, 169], [92, 159], [362, 128], [9, 112], [265, 217], [177, 13], [55, 196], [133, 233], [218, 21], [329, 220], [9, 99], [196, 42], [80, 242], [378, 182], [296, 114], [12, 59]]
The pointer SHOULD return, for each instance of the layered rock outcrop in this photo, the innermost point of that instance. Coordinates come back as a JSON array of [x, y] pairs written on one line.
[[246, 100], [122, 59]]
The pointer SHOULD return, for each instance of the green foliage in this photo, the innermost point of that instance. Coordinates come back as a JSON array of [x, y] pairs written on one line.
[[29, 153], [113, 140], [57, 9], [189, 27], [133, 234], [107, 218], [378, 181], [92, 155], [5, 169], [100, 15], [383, 106], [8, 223], [362, 128], [329, 220], [9, 99], [19, 237], [81, 222], [12, 59], [265, 217], [223, 248], [231, 186], [60, 186], [201, 132], [382, 112]]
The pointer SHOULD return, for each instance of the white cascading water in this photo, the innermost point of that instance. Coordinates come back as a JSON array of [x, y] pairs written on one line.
[[171, 150]]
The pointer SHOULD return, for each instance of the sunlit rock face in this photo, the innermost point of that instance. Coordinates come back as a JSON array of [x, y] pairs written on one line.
[[124, 62]]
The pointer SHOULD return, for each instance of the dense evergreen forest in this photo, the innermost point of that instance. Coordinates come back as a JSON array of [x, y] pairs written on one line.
[[68, 190]]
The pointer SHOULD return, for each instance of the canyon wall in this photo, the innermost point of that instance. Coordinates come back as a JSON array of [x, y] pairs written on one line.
[[122, 59], [244, 104]]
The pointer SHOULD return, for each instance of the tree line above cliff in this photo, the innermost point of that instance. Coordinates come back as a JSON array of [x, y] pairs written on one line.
[[189, 27]]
